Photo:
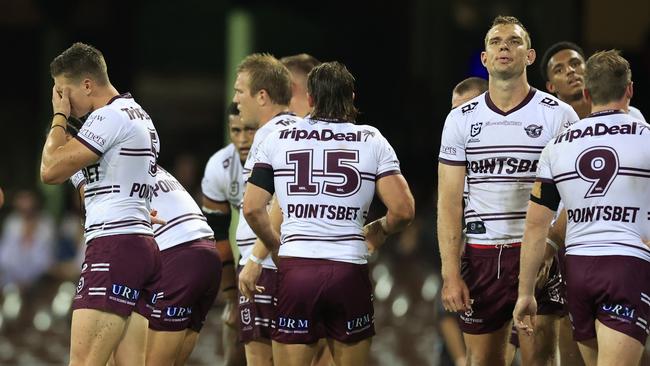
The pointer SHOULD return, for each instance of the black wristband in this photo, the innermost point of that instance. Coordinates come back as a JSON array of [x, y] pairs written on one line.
[[61, 114], [57, 125]]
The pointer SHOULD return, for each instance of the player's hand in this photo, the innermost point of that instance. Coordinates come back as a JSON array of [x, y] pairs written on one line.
[[375, 236], [542, 274], [60, 103], [155, 220], [248, 279], [455, 294], [229, 315], [525, 313]]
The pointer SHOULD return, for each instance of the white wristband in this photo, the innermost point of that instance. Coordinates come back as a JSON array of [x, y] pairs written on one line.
[[254, 259], [552, 243]]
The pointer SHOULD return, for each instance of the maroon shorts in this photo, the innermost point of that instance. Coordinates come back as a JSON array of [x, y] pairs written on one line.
[[118, 272], [257, 317], [191, 274], [613, 289], [322, 298], [492, 276]]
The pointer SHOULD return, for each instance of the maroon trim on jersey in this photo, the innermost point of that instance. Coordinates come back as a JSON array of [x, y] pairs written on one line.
[[387, 173], [494, 214], [284, 114], [116, 225], [212, 199], [245, 242], [188, 217], [494, 246], [607, 244], [452, 162], [329, 120], [125, 95], [88, 145], [606, 112], [472, 148], [523, 103]]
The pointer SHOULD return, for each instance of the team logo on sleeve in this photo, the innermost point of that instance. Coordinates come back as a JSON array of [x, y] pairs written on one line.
[[549, 102], [476, 129], [468, 107], [534, 130]]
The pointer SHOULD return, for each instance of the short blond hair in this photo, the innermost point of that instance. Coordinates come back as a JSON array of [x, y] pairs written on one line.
[[266, 72], [507, 19], [607, 75]]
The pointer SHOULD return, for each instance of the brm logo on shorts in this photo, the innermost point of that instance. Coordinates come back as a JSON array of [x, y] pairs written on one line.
[[358, 324], [468, 107], [621, 312], [533, 130], [549, 102]]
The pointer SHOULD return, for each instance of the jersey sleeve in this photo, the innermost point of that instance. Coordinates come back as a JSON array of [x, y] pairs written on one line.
[[387, 162], [567, 118], [103, 129], [452, 145], [214, 184], [261, 155], [544, 173], [78, 179]]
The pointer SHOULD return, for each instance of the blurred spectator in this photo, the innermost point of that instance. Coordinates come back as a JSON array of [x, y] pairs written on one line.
[[26, 244]]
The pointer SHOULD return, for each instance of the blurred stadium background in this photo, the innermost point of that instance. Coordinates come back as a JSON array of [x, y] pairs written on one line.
[[178, 59]]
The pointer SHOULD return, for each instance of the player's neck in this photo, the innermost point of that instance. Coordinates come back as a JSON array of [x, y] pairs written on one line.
[[621, 105], [104, 95], [507, 94], [271, 111], [581, 107]]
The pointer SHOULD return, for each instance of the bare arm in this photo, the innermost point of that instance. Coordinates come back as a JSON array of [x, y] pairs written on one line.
[[228, 272], [60, 159], [450, 215], [533, 247], [455, 294], [394, 192], [255, 202]]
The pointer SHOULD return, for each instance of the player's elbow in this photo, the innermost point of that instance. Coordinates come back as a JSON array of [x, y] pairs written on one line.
[[403, 213], [252, 212], [49, 176]]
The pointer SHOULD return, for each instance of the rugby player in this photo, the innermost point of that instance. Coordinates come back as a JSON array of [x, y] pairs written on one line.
[[116, 150], [325, 171], [597, 168], [223, 190], [262, 95], [299, 66], [495, 140]]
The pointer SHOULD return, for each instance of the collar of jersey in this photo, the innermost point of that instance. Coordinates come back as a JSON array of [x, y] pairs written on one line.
[[523, 103], [125, 95], [606, 112]]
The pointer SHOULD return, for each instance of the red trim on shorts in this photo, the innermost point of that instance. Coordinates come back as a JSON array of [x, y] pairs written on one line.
[[494, 246]]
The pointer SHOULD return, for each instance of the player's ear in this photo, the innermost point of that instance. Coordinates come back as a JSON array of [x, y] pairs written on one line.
[[262, 97], [629, 90], [353, 95], [310, 100], [551, 87], [530, 56], [484, 58], [87, 86]]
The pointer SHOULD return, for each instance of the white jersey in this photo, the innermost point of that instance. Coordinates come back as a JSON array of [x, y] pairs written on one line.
[[500, 151], [601, 168], [118, 186], [636, 113], [185, 222], [245, 235], [324, 177], [223, 179]]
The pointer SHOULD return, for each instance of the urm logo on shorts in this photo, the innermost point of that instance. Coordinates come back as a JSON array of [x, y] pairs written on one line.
[[358, 323], [622, 312], [125, 292], [289, 323], [178, 311]]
